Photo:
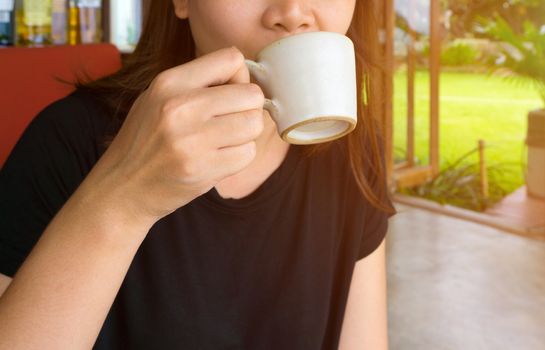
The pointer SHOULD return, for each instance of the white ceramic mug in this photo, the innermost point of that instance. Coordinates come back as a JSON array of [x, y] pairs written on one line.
[[309, 80]]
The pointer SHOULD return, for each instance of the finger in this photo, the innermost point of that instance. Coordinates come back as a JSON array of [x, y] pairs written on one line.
[[242, 75], [234, 129], [220, 100], [232, 160], [213, 69]]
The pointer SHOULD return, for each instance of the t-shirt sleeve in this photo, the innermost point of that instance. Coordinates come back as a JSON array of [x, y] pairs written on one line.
[[375, 229], [375, 222], [45, 167]]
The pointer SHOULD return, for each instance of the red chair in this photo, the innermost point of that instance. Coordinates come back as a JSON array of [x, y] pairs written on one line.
[[28, 81]]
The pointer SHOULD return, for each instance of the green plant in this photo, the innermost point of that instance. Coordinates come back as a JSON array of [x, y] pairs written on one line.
[[520, 54], [459, 53], [478, 106], [459, 184]]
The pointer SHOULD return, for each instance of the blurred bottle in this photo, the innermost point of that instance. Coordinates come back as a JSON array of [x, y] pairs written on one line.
[[33, 22], [59, 18], [7, 23], [19, 28], [125, 24], [74, 35], [90, 21]]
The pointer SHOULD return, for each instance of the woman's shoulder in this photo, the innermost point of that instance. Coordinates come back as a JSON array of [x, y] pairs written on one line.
[[77, 112], [70, 130], [78, 120]]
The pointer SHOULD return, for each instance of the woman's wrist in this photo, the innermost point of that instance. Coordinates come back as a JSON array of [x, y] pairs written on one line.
[[112, 209]]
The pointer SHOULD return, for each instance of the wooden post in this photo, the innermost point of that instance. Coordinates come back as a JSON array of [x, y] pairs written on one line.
[[411, 68], [435, 67], [483, 170]]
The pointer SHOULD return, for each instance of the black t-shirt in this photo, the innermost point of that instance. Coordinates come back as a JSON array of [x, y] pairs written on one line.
[[269, 271]]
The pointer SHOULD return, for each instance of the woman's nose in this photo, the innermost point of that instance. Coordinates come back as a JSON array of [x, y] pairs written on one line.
[[290, 16]]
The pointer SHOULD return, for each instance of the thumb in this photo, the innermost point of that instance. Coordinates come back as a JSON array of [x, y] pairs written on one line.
[[241, 76]]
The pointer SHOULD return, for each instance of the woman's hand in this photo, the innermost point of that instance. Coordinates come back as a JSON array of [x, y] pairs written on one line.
[[195, 125]]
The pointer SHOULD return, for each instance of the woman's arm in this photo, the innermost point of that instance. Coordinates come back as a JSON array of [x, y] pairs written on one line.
[[61, 295], [365, 324], [4, 283]]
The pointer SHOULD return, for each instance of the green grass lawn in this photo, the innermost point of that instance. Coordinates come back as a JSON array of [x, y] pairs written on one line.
[[473, 107]]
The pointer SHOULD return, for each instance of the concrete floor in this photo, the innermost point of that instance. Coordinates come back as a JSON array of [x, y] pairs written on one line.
[[454, 284]]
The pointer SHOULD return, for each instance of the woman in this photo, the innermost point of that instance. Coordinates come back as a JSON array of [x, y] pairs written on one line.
[[161, 209]]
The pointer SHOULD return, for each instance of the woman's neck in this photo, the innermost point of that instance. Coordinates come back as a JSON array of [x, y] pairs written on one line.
[[271, 152]]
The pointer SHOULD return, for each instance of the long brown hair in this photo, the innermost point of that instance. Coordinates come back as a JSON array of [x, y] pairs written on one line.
[[166, 41]]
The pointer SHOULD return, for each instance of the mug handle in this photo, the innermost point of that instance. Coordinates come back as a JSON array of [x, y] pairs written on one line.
[[271, 107], [259, 72]]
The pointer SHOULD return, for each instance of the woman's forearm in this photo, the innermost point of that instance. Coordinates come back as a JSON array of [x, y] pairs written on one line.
[[61, 295]]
